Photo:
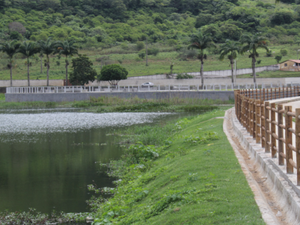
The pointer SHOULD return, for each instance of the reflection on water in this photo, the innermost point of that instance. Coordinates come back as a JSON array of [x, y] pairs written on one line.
[[47, 159]]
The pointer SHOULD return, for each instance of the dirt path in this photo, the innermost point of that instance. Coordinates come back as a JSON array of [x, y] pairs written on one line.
[[264, 197]]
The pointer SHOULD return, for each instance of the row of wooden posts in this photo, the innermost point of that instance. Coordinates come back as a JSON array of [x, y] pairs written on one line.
[[271, 124]]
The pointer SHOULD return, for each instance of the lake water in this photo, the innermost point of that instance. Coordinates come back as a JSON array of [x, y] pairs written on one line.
[[47, 159]]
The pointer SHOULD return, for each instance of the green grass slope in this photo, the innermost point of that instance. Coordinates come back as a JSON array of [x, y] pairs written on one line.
[[190, 175]]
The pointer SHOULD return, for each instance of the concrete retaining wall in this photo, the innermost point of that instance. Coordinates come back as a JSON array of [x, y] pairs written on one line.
[[61, 97], [283, 185]]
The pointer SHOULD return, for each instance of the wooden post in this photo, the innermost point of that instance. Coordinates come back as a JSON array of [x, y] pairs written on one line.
[[260, 97], [258, 119], [254, 118], [271, 93], [273, 131], [267, 127], [298, 144], [263, 125], [280, 135], [279, 92], [242, 110], [236, 102], [251, 117], [264, 95], [288, 139]]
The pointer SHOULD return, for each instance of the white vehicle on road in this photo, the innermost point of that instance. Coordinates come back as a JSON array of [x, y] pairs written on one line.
[[147, 84]]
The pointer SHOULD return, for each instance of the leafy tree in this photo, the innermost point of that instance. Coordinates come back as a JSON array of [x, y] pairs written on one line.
[[252, 43], [201, 42], [278, 58], [113, 74], [83, 70], [10, 48], [230, 49], [283, 52], [48, 47], [28, 49], [67, 48]]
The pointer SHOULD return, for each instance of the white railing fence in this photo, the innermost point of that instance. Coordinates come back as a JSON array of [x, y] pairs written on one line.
[[86, 89]]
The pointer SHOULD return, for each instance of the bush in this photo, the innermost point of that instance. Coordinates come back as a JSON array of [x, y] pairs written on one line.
[[278, 58], [184, 76], [140, 45], [142, 54], [283, 52], [269, 53], [153, 51]]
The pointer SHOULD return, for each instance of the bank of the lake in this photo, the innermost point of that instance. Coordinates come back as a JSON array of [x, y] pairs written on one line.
[[189, 175], [115, 104]]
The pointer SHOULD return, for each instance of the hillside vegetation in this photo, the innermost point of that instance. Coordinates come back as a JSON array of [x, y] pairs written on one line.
[[104, 23], [116, 31]]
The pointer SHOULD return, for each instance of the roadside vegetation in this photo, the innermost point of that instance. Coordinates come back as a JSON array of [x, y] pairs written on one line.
[[177, 173]]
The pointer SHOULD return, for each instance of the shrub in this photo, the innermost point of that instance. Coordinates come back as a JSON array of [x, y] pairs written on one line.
[[184, 76], [278, 58], [283, 52], [140, 45], [142, 54], [153, 51]]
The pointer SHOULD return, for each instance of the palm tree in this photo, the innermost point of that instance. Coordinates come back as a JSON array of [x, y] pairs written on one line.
[[201, 42], [28, 49], [48, 47], [231, 49], [67, 48], [252, 43], [10, 48]]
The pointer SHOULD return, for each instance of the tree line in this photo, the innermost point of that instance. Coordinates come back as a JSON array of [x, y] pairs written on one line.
[[82, 67], [44, 48], [247, 44], [82, 72]]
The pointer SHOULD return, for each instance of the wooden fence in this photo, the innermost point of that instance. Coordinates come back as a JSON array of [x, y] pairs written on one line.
[[271, 124]]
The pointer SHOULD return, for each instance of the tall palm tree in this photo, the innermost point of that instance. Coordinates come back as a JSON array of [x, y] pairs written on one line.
[[28, 49], [10, 48], [252, 44], [67, 48], [201, 42], [230, 49], [48, 47]]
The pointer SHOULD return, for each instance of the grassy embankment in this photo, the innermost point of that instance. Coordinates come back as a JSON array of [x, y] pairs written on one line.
[[159, 64], [183, 173], [114, 104]]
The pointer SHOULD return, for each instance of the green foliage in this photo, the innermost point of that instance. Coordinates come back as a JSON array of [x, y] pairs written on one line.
[[113, 74], [83, 72], [278, 58], [140, 45], [283, 52], [184, 184], [142, 54], [184, 76], [209, 136], [153, 51]]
